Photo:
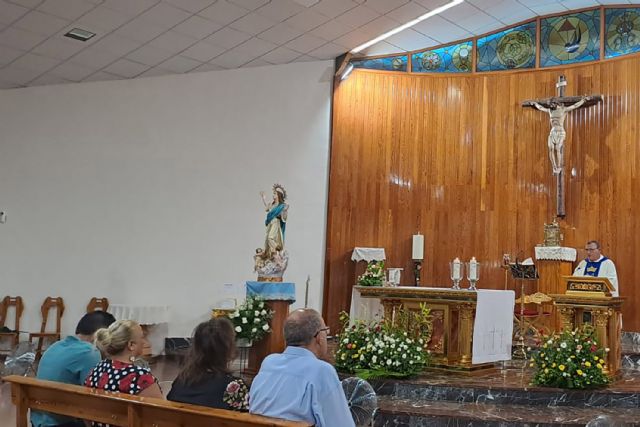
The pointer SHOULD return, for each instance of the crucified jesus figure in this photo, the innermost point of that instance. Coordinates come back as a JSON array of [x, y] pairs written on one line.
[[557, 107], [557, 113]]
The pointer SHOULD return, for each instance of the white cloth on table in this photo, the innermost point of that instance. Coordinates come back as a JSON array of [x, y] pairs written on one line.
[[607, 269], [368, 254], [365, 309], [556, 253], [143, 314], [493, 326]]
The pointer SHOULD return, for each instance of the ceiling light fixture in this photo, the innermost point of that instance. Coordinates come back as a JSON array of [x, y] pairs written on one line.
[[347, 70], [407, 25], [80, 34]]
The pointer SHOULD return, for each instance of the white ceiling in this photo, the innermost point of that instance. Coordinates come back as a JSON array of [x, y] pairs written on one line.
[[138, 38]]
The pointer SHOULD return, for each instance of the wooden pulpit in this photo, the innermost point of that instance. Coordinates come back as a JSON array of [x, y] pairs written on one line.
[[589, 300], [278, 297], [553, 262]]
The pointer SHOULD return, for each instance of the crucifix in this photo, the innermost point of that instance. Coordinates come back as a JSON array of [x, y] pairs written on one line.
[[557, 107]]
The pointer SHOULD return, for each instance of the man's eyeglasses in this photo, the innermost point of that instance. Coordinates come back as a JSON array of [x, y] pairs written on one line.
[[591, 249], [327, 329]]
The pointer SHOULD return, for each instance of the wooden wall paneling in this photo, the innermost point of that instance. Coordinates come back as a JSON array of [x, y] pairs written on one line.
[[457, 158]]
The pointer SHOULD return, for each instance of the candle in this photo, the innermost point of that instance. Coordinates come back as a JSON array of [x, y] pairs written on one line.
[[417, 251], [473, 269], [457, 273]]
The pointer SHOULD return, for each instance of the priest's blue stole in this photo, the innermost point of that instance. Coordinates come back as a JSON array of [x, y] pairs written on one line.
[[593, 267]]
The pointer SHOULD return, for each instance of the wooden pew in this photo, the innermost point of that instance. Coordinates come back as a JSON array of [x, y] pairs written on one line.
[[123, 410]]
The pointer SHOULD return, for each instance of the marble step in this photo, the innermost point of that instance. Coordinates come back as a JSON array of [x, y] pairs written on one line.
[[417, 413]]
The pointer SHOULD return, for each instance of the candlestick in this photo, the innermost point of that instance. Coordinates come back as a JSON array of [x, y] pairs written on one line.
[[473, 273], [417, 250], [306, 292], [456, 268]]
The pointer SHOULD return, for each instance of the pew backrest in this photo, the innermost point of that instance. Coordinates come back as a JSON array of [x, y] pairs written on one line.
[[119, 409]]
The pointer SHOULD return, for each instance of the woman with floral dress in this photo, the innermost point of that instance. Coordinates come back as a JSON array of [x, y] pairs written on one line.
[[205, 378]]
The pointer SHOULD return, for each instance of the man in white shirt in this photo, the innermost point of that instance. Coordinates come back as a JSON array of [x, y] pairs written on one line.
[[597, 265], [296, 385]]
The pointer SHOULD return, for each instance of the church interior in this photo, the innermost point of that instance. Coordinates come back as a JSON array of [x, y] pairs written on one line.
[[459, 171]]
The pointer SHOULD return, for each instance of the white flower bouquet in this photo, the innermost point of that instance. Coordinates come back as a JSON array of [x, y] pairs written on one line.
[[251, 319]]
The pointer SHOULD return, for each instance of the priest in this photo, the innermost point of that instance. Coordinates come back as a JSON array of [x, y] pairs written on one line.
[[597, 265]]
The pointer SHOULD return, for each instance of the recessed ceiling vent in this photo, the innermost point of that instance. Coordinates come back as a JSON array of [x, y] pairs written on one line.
[[80, 34]]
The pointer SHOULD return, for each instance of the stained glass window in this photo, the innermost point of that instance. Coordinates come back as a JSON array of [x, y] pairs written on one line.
[[570, 38], [393, 63], [622, 31], [454, 58], [509, 49]]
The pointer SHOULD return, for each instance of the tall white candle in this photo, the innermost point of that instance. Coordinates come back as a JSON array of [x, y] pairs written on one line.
[[417, 251], [457, 273], [473, 269]]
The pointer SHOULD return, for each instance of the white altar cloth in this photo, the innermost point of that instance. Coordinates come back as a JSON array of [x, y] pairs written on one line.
[[365, 309], [556, 253], [144, 315], [493, 326], [368, 254]]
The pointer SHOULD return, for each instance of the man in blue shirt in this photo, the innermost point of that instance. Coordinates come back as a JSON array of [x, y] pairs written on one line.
[[296, 385], [69, 361]]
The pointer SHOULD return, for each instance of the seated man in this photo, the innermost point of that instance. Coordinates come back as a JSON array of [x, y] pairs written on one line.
[[296, 385], [597, 265], [69, 361]]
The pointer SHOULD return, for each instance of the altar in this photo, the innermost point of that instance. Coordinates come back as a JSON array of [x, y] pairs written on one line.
[[471, 329]]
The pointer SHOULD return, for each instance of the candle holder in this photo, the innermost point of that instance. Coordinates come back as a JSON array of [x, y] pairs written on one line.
[[456, 274], [417, 266], [473, 274]]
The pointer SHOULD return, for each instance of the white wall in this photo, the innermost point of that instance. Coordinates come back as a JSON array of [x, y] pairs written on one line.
[[146, 191]]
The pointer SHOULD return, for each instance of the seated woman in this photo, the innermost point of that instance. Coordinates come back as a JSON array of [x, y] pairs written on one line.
[[205, 379], [121, 343]]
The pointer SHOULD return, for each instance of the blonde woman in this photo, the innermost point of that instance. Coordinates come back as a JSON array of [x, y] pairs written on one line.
[[121, 343]]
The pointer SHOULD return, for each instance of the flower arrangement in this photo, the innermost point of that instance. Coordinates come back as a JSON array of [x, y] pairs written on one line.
[[236, 395], [251, 319], [571, 359], [373, 275], [382, 349]]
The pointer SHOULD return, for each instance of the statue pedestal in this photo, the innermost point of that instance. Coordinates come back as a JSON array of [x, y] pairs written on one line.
[[553, 262], [278, 296]]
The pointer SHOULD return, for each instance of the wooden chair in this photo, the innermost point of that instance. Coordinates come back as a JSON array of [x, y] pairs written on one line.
[[48, 304], [5, 304], [530, 314], [97, 304]]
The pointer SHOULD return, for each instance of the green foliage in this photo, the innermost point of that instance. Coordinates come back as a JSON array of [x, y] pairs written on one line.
[[571, 359], [251, 319], [381, 349], [373, 275]]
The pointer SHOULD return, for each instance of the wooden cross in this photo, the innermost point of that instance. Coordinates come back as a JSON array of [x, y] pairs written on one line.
[[557, 107]]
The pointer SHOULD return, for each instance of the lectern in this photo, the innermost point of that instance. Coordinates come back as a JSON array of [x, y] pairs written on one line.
[[592, 296]]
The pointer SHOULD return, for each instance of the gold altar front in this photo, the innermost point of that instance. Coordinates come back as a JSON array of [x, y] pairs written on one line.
[[452, 311], [606, 318]]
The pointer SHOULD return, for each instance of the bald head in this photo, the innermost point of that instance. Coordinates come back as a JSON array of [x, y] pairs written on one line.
[[302, 326]]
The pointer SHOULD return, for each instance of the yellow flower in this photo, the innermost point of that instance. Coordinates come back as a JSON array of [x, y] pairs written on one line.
[[544, 346], [561, 367], [546, 371], [587, 364], [553, 365], [573, 356], [602, 361], [579, 372], [541, 354], [599, 366], [595, 358]]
